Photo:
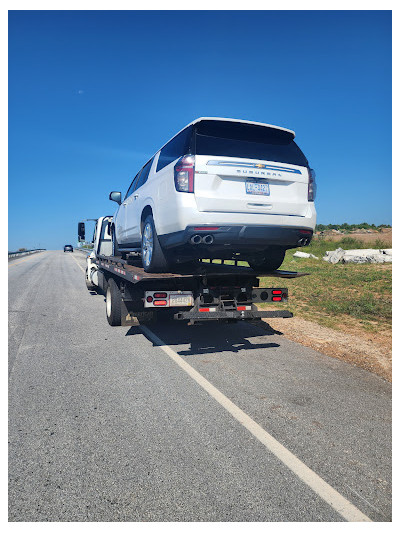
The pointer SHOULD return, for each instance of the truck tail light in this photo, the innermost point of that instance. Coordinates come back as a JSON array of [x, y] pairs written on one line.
[[312, 185], [158, 303], [184, 174]]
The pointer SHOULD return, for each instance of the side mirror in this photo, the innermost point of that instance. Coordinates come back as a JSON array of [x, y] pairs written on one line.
[[115, 197], [81, 231]]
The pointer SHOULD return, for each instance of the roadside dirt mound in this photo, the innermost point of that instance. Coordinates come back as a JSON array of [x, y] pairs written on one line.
[[385, 237], [360, 350]]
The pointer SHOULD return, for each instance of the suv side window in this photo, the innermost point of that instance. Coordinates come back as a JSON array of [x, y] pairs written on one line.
[[132, 185], [144, 174], [177, 147]]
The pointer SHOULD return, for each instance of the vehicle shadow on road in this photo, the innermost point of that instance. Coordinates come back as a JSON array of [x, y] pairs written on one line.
[[208, 338]]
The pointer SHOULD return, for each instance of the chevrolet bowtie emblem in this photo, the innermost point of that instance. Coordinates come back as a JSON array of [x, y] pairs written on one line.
[[259, 165]]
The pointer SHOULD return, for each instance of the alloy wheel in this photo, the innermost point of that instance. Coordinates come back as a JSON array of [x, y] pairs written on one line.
[[147, 244]]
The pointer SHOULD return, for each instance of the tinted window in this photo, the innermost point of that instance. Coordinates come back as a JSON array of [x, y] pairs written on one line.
[[233, 139], [144, 174], [177, 147], [132, 186]]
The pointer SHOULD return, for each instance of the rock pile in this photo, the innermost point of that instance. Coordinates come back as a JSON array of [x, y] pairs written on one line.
[[304, 255], [358, 256]]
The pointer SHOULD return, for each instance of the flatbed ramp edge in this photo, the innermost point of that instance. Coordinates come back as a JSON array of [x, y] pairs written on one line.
[[217, 292]]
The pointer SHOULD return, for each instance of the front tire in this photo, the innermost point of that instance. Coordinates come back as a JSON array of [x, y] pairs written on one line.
[[113, 303], [271, 260], [153, 257]]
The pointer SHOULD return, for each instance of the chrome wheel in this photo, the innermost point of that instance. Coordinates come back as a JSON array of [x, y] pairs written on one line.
[[108, 302], [147, 244]]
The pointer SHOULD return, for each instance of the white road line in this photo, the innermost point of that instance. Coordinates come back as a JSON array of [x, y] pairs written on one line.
[[77, 263], [331, 496]]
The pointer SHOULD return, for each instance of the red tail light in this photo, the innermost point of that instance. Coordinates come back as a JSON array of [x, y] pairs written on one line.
[[160, 302], [312, 185], [184, 174], [276, 298], [160, 295]]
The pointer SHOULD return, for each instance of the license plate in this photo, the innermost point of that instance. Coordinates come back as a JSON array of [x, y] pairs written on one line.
[[253, 187], [180, 300]]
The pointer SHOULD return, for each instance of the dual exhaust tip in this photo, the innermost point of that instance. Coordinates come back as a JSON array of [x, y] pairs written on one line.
[[198, 239], [303, 242]]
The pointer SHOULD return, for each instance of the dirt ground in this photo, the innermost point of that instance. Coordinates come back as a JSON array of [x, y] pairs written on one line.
[[365, 237], [367, 350]]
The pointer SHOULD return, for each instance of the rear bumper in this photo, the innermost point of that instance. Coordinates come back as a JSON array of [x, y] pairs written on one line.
[[235, 315], [243, 237]]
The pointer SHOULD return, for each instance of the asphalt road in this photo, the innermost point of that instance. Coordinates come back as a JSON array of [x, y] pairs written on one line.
[[105, 425]]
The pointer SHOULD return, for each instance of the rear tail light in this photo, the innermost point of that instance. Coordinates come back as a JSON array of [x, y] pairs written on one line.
[[312, 185], [160, 295], [184, 174], [160, 302]]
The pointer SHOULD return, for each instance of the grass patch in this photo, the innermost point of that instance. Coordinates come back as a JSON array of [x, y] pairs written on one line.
[[319, 246], [338, 295]]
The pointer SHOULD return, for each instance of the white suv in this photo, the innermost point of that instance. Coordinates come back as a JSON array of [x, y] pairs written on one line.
[[220, 188]]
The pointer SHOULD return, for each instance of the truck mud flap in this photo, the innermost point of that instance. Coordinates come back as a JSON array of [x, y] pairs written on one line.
[[236, 315], [131, 317]]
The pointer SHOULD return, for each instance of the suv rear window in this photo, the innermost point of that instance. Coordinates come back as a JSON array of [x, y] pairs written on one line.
[[177, 147], [234, 139]]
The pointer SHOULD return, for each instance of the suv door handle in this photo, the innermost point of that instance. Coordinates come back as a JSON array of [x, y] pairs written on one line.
[[124, 204], [136, 196]]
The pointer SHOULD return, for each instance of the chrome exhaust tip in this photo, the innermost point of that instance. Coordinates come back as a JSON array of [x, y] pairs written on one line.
[[302, 242], [195, 239], [208, 239]]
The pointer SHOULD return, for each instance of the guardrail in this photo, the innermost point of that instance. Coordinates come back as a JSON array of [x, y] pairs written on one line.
[[26, 252], [86, 251]]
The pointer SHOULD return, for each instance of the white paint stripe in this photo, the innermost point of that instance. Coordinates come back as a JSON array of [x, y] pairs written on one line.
[[77, 263], [338, 502]]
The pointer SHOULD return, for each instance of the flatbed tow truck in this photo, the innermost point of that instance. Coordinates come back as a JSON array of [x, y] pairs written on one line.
[[202, 292]]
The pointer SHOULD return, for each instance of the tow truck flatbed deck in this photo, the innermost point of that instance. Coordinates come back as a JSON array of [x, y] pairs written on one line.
[[134, 273]]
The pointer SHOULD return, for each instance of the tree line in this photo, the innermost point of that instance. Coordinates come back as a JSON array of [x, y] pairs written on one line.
[[348, 227]]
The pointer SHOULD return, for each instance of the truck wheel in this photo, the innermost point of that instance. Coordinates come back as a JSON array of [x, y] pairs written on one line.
[[89, 284], [269, 262], [113, 303], [153, 258]]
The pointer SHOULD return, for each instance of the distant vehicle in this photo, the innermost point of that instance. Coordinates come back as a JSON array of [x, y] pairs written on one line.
[[68, 248], [220, 189]]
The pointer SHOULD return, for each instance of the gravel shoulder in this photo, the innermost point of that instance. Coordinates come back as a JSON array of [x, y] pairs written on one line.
[[366, 350]]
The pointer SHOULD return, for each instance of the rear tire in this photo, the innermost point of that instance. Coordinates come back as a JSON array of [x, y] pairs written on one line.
[[269, 262], [153, 257], [113, 303]]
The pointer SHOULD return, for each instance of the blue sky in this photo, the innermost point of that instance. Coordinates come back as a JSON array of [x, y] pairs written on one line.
[[93, 94]]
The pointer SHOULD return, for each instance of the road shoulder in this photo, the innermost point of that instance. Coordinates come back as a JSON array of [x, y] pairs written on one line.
[[361, 351]]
